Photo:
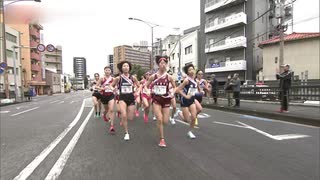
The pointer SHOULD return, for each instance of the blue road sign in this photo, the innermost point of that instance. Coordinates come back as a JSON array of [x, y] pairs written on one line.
[[179, 73], [3, 65], [1, 71], [179, 78]]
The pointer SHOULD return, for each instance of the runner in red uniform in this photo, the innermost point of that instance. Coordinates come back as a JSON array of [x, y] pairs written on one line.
[[160, 94]]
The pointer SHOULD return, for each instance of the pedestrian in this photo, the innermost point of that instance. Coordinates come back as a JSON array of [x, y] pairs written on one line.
[[228, 87], [187, 89], [161, 97], [126, 83], [107, 97], [236, 89], [284, 87], [96, 95], [214, 89]]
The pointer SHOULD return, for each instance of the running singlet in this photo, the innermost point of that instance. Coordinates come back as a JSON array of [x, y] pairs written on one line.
[[160, 85], [125, 85], [106, 82], [191, 88]]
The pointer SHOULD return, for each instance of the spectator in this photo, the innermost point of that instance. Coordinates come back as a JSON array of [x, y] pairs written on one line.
[[214, 88], [228, 87], [284, 87], [236, 89]]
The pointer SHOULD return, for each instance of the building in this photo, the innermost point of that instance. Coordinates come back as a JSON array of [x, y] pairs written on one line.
[[127, 53], [80, 71], [230, 32], [190, 47], [12, 39], [53, 81], [53, 60], [301, 51], [32, 68], [170, 46], [111, 63]]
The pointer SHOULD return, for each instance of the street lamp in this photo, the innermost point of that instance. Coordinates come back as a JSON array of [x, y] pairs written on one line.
[[151, 25], [3, 38]]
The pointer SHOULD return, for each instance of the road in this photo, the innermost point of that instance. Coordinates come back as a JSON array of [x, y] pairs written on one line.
[[57, 137]]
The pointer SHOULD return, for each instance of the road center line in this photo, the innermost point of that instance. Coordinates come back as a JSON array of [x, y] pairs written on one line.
[[54, 101], [61, 162], [185, 123], [24, 111], [26, 172]]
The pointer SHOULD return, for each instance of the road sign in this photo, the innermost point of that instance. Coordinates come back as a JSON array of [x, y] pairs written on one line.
[[50, 48], [179, 73], [179, 78], [41, 48], [3, 66]]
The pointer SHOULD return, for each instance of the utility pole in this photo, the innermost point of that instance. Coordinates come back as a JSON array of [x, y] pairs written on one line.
[[280, 15]]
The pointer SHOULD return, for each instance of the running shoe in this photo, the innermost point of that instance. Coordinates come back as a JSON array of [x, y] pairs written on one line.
[[162, 143], [172, 121], [154, 118], [111, 129], [126, 137], [105, 118], [145, 118], [191, 135], [177, 113], [137, 113]]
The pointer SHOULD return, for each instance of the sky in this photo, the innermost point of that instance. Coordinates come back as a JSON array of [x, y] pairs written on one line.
[[91, 28]]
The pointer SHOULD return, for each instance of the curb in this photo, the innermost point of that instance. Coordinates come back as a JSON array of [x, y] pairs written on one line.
[[271, 115]]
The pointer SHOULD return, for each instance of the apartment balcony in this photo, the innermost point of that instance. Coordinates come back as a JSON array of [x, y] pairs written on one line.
[[33, 44], [228, 43], [230, 21], [35, 56], [37, 78], [238, 65], [52, 60], [217, 4], [35, 67], [34, 32]]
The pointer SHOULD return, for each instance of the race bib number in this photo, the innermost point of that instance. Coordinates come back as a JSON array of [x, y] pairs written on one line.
[[192, 91], [108, 90], [126, 89], [160, 90]]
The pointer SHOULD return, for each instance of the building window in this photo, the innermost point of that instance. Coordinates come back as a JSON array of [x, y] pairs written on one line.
[[173, 56], [168, 46], [11, 38], [173, 69], [188, 50]]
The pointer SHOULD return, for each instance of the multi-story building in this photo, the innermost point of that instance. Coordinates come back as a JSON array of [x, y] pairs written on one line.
[[230, 32], [190, 47], [12, 40], [170, 46], [111, 63], [32, 72], [53, 60], [80, 67], [80, 70], [127, 53]]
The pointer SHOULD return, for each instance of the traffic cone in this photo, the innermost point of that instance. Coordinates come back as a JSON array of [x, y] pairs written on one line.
[[196, 123]]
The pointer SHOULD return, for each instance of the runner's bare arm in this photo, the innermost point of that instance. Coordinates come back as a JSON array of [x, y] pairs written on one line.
[[137, 83], [180, 89], [98, 86], [148, 82], [114, 82]]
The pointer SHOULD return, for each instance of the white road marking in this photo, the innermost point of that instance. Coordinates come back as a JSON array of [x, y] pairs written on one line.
[[26, 172], [203, 115], [229, 124], [24, 111], [71, 102], [60, 102], [3, 112], [61, 162], [185, 123], [54, 101], [18, 108], [274, 137]]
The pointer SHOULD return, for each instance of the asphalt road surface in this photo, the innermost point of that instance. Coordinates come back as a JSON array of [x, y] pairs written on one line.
[[57, 137]]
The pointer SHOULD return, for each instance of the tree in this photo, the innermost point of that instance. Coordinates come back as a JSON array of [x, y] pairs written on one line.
[[137, 69]]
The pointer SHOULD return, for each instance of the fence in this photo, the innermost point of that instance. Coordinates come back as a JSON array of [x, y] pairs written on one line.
[[297, 92]]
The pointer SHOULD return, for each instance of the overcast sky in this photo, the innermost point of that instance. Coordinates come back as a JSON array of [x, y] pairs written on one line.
[[91, 28]]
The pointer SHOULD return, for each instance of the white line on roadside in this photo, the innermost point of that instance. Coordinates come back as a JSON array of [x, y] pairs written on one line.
[[60, 102], [24, 111], [54, 101], [61, 162], [3, 112], [26, 172], [71, 102], [185, 123], [229, 124]]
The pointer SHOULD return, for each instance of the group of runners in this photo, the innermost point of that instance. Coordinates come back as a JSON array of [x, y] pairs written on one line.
[[155, 90]]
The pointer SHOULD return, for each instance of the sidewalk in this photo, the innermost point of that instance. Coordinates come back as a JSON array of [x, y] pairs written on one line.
[[298, 113]]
